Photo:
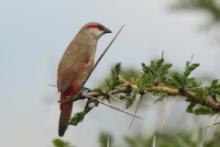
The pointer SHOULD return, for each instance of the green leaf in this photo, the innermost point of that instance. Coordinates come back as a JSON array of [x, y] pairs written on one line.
[[201, 93], [190, 107], [214, 89], [61, 143], [130, 98], [156, 72], [178, 80], [190, 68], [114, 79], [192, 82], [202, 110], [77, 118]]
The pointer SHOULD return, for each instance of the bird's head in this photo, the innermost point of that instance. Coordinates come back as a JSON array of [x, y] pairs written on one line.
[[96, 29]]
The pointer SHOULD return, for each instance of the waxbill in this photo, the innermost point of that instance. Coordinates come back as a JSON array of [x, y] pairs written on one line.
[[75, 65]]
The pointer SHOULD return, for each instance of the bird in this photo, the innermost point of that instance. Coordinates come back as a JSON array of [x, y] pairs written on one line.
[[74, 67]]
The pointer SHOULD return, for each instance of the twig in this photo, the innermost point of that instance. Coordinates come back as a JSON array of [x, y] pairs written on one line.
[[52, 85], [170, 91]]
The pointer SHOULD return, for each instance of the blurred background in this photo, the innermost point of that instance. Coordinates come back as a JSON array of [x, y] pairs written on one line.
[[34, 35]]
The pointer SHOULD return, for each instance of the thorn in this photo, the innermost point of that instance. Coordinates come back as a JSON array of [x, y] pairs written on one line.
[[151, 95], [163, 113], [154, 141], [115, 98], [209, 130], [52, 85], [110, 106], [108, 142], [157, 100], [191, 58], [217, 123], [162, 55], [135, 111]]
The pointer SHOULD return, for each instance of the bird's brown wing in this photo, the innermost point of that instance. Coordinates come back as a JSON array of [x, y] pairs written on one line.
[[64, 80], [72, 67]]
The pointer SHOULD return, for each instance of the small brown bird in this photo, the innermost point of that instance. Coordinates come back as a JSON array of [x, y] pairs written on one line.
[[75, 65]]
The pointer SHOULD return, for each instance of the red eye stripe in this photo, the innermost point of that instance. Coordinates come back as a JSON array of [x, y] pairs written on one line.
[[98, 26]]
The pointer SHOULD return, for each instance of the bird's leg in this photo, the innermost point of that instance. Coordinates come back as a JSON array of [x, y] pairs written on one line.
[[108, 99], [86, 89]]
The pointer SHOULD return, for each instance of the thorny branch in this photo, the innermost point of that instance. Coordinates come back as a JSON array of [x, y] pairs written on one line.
[[170, 91], [156, 79]]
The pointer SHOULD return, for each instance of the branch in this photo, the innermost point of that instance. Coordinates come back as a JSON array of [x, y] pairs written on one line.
[[170, 91], [156, 79]]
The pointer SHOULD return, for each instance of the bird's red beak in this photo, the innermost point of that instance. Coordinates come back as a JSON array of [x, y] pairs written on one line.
[[107, 30]]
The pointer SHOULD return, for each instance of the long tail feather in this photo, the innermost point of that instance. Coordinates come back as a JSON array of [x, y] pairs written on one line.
[[65, 114], [66, 110]]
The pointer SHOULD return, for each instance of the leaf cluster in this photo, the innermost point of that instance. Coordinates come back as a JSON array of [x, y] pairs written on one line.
[[155, 73], [156, 78], [79, 116]]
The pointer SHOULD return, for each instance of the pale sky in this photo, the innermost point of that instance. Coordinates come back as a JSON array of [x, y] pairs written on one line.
[[34, 35]]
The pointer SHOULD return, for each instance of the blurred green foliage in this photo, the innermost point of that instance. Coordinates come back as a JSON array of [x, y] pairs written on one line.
[[61, 143], [105, 139], [181, 139], [210, 6]]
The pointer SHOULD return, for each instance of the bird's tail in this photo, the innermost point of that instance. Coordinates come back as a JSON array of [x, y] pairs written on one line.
[[65, 114]]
